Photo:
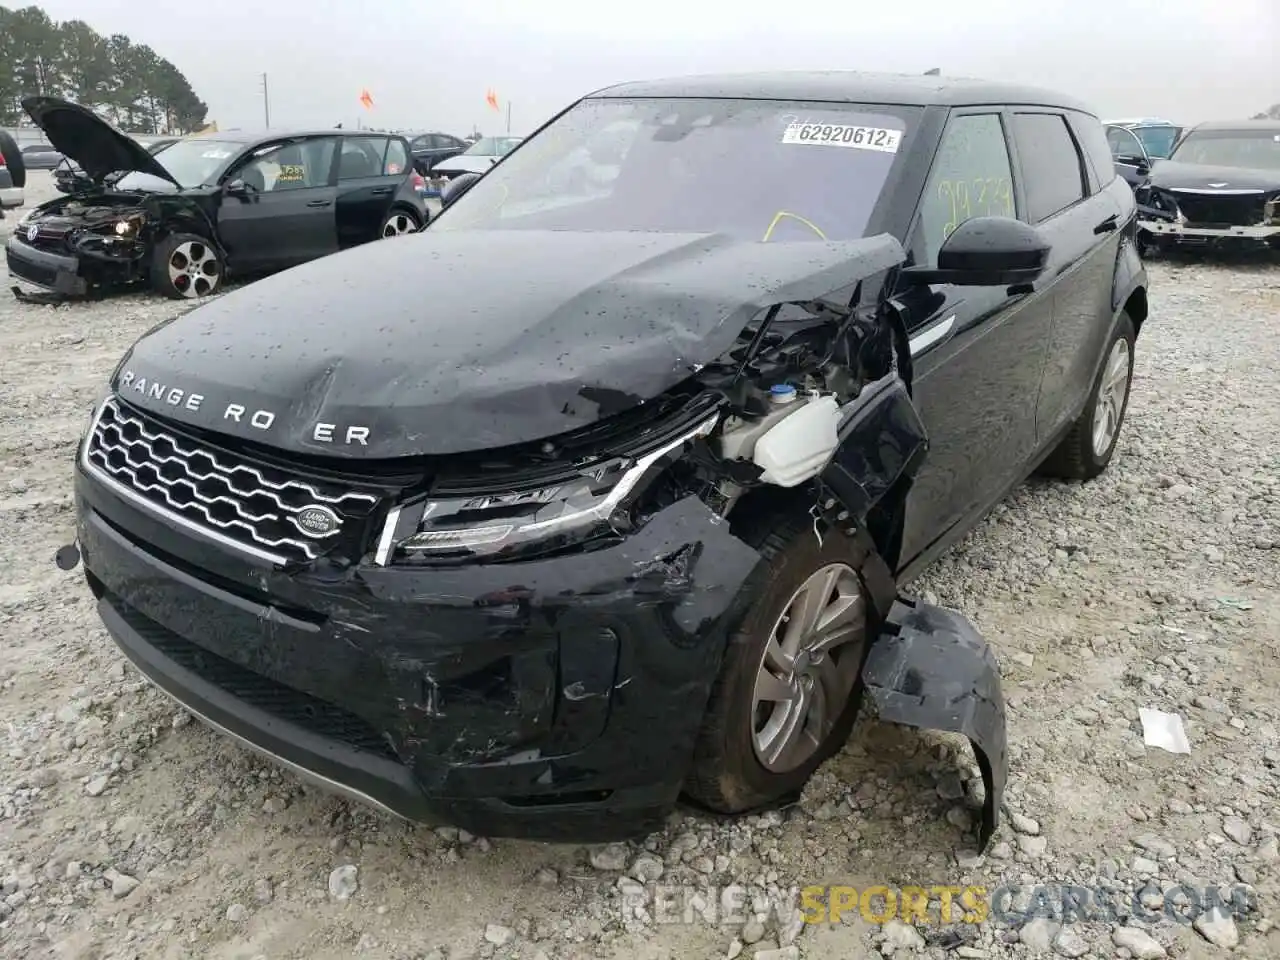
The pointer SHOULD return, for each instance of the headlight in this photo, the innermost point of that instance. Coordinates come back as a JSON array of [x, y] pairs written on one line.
[[128, 226], [489, 527]]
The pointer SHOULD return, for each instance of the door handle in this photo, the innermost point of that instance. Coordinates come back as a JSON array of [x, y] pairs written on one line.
[[382, 191], [1106, 226], [319, 203]]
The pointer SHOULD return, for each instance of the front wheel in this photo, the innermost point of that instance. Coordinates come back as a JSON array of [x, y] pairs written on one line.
[[1088, 448], [399, 223], [185, 266], [790, 685]]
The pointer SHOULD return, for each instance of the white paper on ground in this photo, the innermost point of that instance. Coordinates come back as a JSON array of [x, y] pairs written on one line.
[[1163, 730]]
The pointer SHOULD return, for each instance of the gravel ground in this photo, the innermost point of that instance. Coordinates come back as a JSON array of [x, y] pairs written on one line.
[[128, 831]]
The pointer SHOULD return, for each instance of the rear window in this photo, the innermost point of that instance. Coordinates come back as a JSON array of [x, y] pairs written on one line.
[[757, 170], [1096, 148], [1051, 173]]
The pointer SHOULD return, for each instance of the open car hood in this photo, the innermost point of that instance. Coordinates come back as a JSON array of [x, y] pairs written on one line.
[[448, 342], [93, 144]]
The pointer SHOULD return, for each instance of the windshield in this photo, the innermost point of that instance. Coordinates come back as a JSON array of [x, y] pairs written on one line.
[[1252, 150], [191, 162], [756, 170], [493, 146], [1158, 141]]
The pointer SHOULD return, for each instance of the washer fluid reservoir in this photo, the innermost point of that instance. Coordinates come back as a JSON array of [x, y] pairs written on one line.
[[798, 447]]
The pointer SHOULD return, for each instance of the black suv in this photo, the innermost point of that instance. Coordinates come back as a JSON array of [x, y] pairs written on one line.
[[206, 205], [619, 512]]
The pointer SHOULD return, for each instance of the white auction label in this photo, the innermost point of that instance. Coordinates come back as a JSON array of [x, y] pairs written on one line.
[[844, 135]]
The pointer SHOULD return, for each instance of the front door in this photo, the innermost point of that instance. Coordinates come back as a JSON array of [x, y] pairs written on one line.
[[287, 216], [977, 352]]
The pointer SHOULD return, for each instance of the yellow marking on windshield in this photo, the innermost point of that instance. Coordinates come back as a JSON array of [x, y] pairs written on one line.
[[784, 215]]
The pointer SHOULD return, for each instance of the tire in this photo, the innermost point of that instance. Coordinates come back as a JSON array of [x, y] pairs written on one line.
[[1081, 455], [400, 222], [729, 772], [13, 160], [185, 266]]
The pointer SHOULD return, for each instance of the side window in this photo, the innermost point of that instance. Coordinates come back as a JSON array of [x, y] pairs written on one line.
[[1091, 136], [397, 158], [971, 177], [290, 166], [1052, 173], [420, 143], [361, 157]]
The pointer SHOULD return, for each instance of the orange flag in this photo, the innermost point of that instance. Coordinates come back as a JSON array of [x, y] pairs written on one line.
[[491, 99], [366, 98]]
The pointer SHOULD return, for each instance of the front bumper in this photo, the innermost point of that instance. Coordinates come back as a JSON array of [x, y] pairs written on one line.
[[11, 197], [1179, 231], [43, 269], [553, 700]]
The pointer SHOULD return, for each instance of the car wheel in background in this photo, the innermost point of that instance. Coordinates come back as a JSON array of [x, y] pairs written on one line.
[[399, 223], [185, 266], [790, 684], [13, 160], [1085, 452]]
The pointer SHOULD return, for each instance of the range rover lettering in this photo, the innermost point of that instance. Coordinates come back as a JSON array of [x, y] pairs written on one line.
[[619, 514]]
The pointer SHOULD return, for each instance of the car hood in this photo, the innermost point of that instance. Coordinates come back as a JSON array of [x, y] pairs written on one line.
[[1172, 175], [96, 147], [446, 342], [467, 164]]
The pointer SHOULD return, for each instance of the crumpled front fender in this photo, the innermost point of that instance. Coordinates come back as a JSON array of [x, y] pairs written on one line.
[[931, 669]]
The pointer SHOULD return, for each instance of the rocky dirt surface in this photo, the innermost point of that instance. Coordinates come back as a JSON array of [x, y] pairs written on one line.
[[128, 831]]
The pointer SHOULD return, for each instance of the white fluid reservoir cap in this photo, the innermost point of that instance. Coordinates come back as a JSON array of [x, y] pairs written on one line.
[[799, 447]]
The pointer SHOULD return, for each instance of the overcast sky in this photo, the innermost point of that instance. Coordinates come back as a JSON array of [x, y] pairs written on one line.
[[429, 65]]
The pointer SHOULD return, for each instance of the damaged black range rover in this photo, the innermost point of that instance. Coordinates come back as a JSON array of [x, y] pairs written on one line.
[[619, 511]]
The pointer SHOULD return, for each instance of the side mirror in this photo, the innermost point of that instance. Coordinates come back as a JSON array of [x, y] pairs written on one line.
[[987, 252], [238, 188], [457, 187]]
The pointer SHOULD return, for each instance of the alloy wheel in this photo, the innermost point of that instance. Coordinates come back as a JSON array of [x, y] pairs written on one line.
[[1112, 394], [193, 269], [397, 225], [809, 668]]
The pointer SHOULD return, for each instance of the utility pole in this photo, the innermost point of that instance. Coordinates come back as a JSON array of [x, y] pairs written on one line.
[[508, 118], [266, 102]]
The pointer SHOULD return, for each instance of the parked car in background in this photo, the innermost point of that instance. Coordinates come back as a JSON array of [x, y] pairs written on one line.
[[40, 156], [1157, 136], [1128, 153], [206, 205], [430, 148], [1220, 187], [478, 157], [588, 496], [66, 173], [13, 174]]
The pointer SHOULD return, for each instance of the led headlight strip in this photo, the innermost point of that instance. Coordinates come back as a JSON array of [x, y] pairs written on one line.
[[426, 541]]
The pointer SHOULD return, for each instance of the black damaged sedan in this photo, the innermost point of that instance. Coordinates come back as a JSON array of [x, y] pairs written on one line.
[[620, 512], [185, 216]]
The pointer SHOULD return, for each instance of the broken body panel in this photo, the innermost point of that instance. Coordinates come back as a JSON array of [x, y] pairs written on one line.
[[500, 697]]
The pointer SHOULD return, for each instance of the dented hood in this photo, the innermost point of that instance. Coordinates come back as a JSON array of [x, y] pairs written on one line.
[[93, 144], [459, 341]]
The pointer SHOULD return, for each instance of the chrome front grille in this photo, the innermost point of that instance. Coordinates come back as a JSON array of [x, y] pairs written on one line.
[[250, 507]]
